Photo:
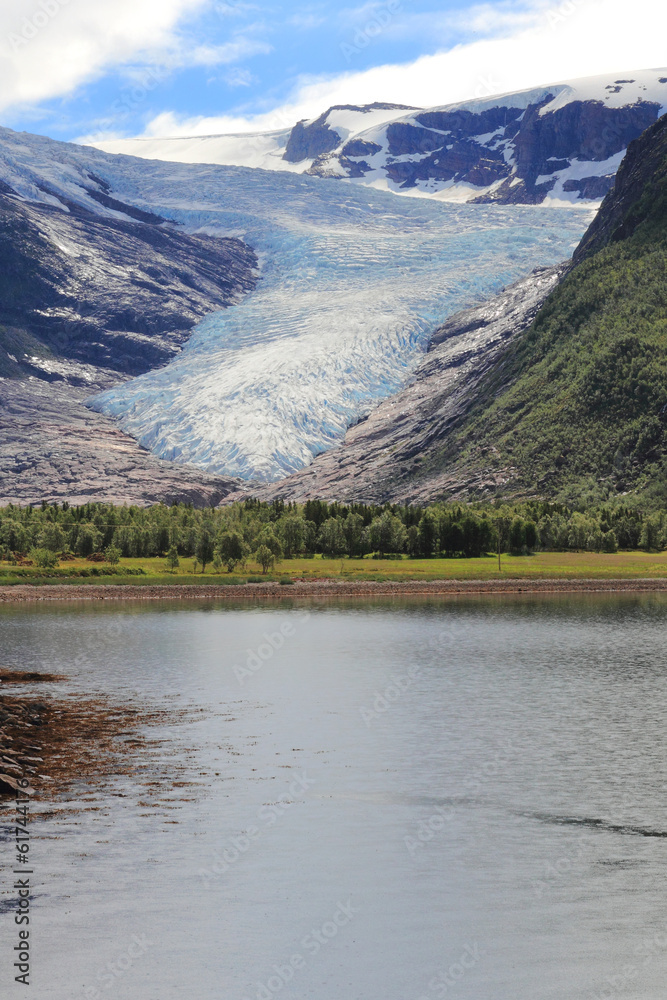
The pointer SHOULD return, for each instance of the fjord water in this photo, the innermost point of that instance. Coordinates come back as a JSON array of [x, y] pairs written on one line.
[[418, 799]]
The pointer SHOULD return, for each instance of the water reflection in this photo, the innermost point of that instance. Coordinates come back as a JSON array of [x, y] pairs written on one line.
[[500, 812]]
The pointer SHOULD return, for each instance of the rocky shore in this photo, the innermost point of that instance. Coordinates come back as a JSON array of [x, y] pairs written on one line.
[[55, 742], [324, 588], [21, 721]]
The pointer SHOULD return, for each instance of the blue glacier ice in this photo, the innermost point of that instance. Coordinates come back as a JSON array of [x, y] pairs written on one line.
[[353, 281]]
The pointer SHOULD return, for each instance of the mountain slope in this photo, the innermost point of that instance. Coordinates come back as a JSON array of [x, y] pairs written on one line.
[[53, 448], [93, 290], [113, 292], [577, 408], [559, 144], [293, 148]]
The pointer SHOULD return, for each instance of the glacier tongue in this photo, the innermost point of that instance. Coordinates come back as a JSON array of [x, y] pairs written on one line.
[[353, 281]]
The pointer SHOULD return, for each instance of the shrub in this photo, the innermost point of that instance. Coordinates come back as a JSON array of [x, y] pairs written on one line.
[[172, 558], [232, 549], [265, 557], [609, 542], [44, 558]]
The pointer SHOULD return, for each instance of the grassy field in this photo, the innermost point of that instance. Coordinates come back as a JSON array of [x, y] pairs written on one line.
[[547, 565]]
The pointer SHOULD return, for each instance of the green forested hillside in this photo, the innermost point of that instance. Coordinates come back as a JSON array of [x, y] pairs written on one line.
[[577, 408]]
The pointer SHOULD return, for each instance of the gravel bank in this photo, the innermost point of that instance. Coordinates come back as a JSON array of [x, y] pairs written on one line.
[[322, 588]]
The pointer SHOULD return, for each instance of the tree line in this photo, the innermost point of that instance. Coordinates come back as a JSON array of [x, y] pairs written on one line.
[[268, 532]]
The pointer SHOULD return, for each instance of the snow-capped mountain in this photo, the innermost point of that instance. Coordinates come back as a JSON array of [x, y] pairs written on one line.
[[554, 145], [294, 147], [352, 283]]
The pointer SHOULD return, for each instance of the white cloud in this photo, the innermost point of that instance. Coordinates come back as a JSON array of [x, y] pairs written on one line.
[[50, 47], [306, 20], [239, 77], [538, 44], [398, 21], [222, 55], [234, 9]]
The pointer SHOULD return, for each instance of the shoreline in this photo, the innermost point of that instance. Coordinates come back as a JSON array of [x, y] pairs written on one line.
[[23, 593]]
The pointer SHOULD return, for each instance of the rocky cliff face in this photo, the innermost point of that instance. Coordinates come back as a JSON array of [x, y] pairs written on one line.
[[562, 143], [638, 194], [119, 294], [309, 140]]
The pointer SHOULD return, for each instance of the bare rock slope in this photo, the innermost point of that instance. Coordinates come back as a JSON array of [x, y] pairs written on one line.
[[87, 301], [53, 448]]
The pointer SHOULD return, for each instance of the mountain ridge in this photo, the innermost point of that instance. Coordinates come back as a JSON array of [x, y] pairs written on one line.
[[559, 144]]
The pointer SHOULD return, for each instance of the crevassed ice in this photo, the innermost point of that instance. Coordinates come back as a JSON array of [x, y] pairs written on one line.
[[353, 282]]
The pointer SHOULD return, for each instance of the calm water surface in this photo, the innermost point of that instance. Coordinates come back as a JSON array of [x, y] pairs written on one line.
[[404, 801]]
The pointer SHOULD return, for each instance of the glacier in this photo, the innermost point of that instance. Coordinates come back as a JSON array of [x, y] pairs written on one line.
[[352, 283]]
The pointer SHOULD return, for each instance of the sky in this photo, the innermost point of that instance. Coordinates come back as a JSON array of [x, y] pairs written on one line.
[[91, 69]]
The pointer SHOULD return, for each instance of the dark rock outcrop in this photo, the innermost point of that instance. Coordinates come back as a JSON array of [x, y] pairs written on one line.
[[406, 139], [462, 124], [309, 140], [464, 161], [120, 295], [590, 187], [637, 194], [360, 147], [581, 130]]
